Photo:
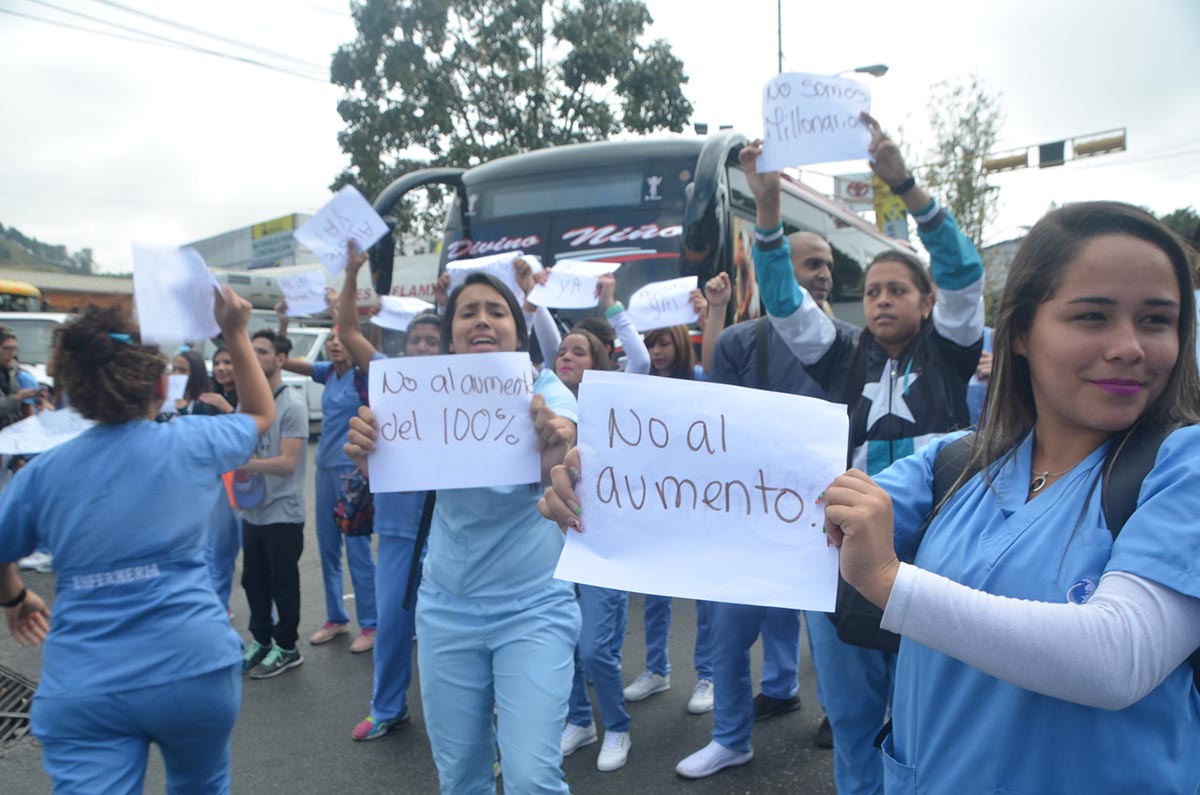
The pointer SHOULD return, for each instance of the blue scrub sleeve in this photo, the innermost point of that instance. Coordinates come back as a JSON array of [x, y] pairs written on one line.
[[909, 482], [18, 530], [1161, 540], [558, 398], [321, 371], [218, 443], [27, 381]]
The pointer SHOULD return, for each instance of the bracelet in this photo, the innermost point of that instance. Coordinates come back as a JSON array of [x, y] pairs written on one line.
[[614, 310], [905, 186], [19, 598]]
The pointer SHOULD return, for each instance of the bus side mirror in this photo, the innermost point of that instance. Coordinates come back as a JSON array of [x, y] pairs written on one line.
[[383, 257]]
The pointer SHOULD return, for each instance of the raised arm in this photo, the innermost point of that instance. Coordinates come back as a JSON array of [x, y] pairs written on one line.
[[718, 293], [254, 394], [637, 358], [349, 329]]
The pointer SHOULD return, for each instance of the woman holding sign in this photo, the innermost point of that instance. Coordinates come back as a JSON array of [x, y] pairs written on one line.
[[141, 650], [497, 630], [907, 386]]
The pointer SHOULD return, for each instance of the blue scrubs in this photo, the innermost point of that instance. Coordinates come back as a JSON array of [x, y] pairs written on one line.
[[738, 626], [603, 611], [339, 403], [657, 619], [224, 544], [959, 730], [140, 649], [397, 517], [497, 629]]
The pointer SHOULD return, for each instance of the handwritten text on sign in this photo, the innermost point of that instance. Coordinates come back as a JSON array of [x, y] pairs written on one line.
[[662, 304], [347, 216], [452, 422], [721, 481], [571, 284], [810, 118], [304, 293]]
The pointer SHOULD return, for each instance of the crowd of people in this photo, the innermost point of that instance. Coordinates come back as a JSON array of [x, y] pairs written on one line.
[[1043, 639]]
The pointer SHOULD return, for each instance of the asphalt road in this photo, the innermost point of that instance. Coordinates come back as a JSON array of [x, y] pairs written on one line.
[[293, 735]]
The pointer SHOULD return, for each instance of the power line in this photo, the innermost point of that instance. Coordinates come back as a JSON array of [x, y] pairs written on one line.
[[70, 26], [174, 42], [207, 34]]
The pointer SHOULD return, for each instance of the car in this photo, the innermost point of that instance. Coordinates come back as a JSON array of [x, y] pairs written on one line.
[[35, 335]]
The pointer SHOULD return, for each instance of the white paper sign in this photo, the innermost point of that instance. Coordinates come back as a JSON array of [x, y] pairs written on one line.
[[662, 304], [719, 480], [176, 386], [571, 284], [347, 216], [42, 431], [174, 293], [397, 312], [499, 265], [810, 118], [304, 293], [452, 422]]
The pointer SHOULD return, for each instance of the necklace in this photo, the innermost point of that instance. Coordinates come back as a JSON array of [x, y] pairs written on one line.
[[1039, 479]]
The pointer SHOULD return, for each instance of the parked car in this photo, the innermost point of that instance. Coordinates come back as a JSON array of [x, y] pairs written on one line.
[[35, 335]]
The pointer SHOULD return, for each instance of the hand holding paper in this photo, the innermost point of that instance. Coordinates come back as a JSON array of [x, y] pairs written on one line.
[[174, 293], [304, 293], [571, 284], [661, 304]]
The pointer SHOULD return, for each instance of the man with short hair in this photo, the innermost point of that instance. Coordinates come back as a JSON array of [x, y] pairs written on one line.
[[18, 389], [270, 491], [736, 627]]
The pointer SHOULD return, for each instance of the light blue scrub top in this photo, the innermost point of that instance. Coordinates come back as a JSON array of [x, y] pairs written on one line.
[[491, 543], [117, 507], [339, 402], [957, 730]]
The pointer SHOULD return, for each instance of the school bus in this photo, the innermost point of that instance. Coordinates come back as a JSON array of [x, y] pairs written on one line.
[[19, 297], [662, 208]]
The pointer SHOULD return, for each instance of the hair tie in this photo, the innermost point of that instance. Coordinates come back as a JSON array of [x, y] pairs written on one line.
[[124, 339]]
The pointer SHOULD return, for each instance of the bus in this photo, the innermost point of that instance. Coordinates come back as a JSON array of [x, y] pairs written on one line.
[[19, 297], [662, 208]]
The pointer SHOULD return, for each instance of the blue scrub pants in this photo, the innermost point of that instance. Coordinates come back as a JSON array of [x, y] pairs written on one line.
[[517, 655], [598, 658], [657, 618], [854, 685], [735, 628], [224, 544], [100, 743], [358, 554], [393, 639]]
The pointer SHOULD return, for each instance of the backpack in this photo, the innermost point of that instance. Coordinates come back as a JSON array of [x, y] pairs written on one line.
[[1127, 463]]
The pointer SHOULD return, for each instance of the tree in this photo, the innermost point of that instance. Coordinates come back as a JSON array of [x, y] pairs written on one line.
[[965, 119], [1185, 222], [460, 82]]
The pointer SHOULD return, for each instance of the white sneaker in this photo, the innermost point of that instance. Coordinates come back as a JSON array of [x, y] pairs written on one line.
[[40, 562], [647, 685], [702, 698], [614, 752], [575, 737], [711, 759]]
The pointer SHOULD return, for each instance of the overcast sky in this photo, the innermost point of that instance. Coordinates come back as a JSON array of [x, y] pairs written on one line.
[[106, 141]]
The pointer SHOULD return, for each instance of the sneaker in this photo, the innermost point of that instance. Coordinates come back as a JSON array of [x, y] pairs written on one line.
[[702, 698], [277, 661], [254, 654], [710, 759], [370, 729], [40, 562], [824, 736], [647, 685], [614, 752], [767, 707], [328, 631], [575, 737], [364, 642]]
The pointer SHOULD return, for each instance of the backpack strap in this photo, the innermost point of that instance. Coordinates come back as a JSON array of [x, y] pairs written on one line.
[[762, 355], [950, 463], [1129, 461], [414, 568]]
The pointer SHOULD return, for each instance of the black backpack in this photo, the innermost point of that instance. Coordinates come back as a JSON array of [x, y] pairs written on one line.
[[1126, 465]]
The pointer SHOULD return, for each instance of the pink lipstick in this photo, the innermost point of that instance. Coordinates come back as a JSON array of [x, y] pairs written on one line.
[[1119, 386]]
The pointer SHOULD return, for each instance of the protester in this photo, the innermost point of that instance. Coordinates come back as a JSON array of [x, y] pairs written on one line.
[[672, 356], [615, 325], [223, 398], [345, 390], [225, 539], [736, 361], [397, 521], [18, 394], [271, 495], [140, 650], [497, 631], [1039, 654], [906, 386], [190, 363]]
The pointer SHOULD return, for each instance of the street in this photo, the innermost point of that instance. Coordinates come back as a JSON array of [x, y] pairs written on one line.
[[293, 735]]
